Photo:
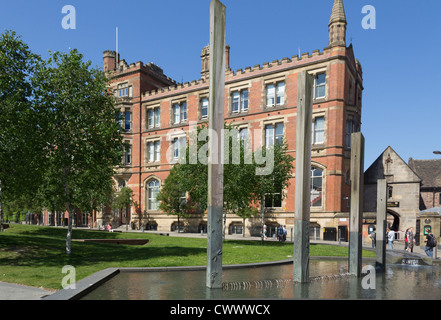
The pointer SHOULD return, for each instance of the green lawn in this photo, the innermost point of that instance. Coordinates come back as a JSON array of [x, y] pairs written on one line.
[[35, 256]]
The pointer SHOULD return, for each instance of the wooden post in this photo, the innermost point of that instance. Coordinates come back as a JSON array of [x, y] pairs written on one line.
[[215, 158], [381, 224], [356, 214], [303, 181]]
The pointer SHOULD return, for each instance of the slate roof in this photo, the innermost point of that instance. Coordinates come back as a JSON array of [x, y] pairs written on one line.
[[428, 170]]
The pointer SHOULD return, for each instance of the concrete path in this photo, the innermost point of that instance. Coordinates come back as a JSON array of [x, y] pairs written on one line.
[[9, 291]]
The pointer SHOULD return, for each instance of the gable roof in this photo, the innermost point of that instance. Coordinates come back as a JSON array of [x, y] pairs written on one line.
[[388, 164], [429, 171]]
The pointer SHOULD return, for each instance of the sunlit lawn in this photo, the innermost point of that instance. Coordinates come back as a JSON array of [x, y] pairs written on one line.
[[35, 256]]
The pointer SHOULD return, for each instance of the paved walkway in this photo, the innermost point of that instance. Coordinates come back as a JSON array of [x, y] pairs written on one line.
[[18, 292], [9, 291]]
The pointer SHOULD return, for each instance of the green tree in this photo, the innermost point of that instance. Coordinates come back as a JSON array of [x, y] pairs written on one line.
[[84, 143], [22, 143], [172, 196], [123, 200], [244, 183], [273, 184]]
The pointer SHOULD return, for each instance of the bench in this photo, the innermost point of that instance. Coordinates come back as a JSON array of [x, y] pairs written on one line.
[[132, 242]]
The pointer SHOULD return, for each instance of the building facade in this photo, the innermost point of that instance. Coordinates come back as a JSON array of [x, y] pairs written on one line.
[[157, 114], [403, 191], [430, 173]]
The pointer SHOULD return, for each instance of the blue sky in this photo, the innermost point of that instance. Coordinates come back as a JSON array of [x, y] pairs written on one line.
[[400, 58]]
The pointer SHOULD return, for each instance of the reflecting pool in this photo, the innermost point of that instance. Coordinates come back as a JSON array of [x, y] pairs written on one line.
[[402, 282]]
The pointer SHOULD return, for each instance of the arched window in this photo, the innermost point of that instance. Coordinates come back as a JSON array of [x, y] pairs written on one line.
[[153, 190], [316, 187]]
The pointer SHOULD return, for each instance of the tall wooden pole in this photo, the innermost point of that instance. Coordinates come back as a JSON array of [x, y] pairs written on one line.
[[381, 224], [303, 178], [356, 214], [215, 159]]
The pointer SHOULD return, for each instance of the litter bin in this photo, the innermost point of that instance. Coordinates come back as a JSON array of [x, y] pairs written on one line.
[[343, 231], [330, 234]]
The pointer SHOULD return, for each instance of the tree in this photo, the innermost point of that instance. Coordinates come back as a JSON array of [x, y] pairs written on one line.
[[244, 183], [22, 142], [84, 141], [123, 200], [278, 180], [172, 196]]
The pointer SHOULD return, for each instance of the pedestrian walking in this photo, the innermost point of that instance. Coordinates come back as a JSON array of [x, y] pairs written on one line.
[[373, 237], [390, 238], [430, 243], [280, 233], [410, 240], [405, 239]]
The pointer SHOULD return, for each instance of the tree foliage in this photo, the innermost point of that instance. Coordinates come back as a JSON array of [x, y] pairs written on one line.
[[21, 135], [60, 139], [243, 187], [84, 142]]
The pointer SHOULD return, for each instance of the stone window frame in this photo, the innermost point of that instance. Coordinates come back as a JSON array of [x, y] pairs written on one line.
[[128, 153], [201, 96], [315, 74], [154, 141], [239, 89], [178, 101], [156, 125], [171, 150], [273, 122], [123, 109], [147, 193], [323, 169], [124, 86], [274, 82]]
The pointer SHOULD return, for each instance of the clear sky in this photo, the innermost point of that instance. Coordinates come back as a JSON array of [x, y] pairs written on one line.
[[400, 58]]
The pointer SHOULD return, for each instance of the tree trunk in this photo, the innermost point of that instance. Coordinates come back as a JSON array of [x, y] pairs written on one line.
[[70, 217], [243, 230], [69, 231], [262, 208], [1, 209]]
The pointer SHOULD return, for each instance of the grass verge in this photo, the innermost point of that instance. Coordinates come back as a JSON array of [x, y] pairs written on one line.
[[35, 256]]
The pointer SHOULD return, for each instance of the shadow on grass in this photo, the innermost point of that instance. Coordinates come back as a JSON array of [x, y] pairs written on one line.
[[257, 243], [29, 246]]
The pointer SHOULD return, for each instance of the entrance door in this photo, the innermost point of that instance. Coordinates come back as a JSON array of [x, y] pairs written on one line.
[[125, 215]]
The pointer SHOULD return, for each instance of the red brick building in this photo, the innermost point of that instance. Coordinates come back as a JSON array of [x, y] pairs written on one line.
[[157, 113]]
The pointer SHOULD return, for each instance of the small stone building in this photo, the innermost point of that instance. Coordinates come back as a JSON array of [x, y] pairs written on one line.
[[403, 188]]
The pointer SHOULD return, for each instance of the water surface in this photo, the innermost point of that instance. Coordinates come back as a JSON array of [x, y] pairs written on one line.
[[404, 282]]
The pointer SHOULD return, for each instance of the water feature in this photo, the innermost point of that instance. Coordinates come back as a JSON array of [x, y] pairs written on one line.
[[329, 281]]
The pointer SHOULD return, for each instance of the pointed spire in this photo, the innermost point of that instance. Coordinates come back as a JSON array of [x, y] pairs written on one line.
[[338, 13], [337, 25]]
